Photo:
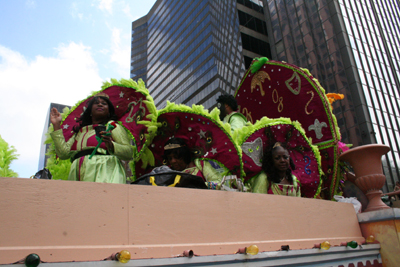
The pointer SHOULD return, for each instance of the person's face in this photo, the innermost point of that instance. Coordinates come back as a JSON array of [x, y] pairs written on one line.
[[100, 109], [177, 164], [222, 110], [280, 156]]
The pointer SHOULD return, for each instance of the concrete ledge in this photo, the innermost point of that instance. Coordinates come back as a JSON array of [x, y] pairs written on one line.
[[379, 215], [367, 255]]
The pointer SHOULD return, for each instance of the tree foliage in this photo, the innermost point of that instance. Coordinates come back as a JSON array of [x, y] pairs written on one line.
[[7, 155]]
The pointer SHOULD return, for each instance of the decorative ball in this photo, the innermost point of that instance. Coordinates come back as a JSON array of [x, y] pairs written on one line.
[[252, 250], [32, 260], [124, 256], [352, 244], [325, 245], [370, 239]]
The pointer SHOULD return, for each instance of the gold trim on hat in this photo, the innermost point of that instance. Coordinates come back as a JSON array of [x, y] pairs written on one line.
[[172, 146], [277, 144]]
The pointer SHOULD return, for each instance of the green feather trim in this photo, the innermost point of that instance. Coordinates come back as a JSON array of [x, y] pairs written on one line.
[[151, 125], [242, 134], [147, 158], [213, 116], [59, 169], [257, 64]]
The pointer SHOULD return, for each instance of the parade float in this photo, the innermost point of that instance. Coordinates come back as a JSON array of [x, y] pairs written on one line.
[[69, 223]]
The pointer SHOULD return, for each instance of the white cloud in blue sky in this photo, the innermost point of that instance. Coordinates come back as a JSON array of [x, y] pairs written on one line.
[[57, 51]]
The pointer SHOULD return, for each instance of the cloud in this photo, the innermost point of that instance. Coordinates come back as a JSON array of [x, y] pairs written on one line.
[[120, 51], [126, 9], [106, 5], [76, 12], [30, 3], [28, 88]]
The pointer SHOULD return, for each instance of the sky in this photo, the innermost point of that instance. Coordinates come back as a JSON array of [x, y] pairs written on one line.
[[57, 51]]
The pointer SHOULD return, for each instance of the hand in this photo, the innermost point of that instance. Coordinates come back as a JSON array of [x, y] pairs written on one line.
[[55, 119], [107, 139]]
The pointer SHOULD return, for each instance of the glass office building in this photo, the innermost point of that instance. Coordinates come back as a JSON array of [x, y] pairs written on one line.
[[352, 48], [44, 147], [139, 49], [193, 51], [253, 30]]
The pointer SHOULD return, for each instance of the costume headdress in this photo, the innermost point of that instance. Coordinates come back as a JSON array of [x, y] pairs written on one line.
[[278, 89], [134, 108], [266, 133], [203, 132]]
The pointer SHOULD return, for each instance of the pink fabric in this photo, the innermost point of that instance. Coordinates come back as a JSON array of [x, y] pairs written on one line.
[[306, 170], [129, 108], [206, 138], [280, 89], [91, 141]]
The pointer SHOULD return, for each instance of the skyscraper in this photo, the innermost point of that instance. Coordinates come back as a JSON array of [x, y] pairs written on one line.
[[139, 49], [253, 30], [191, 51], [352, 48]]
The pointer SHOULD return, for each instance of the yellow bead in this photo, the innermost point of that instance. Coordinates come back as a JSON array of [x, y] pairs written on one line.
[[325, 245], [252, 250], [370, 239], [124, 256]]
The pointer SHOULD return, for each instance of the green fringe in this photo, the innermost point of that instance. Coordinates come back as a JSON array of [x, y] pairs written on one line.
[[147, 158], [257, 64], [213, 116], [151, 125], [326, 102], [242, 134]]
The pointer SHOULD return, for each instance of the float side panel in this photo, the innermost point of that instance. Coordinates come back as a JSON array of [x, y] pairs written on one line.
[[82, 221]]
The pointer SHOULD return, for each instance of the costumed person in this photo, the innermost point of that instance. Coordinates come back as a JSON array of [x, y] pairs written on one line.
[[228, 112], [179, 157], [89, 163], [276, 177]]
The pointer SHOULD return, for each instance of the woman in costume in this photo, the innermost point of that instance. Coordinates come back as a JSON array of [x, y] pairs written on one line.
[[276, 177], [103, 165], [179, 157]]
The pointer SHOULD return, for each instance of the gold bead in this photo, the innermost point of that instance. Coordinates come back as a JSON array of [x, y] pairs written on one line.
[[325, 245], [124, 256], [370, 239], [252, 250]]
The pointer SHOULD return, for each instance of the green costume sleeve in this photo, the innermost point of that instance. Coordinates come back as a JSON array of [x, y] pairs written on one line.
[[63, 149], [209, 173], [297, 185], [122, 147], [259, 184]]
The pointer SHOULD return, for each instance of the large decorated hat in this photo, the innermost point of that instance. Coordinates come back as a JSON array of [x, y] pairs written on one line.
[[278, 89], [255, 139], [204, 133], [134, 108]]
